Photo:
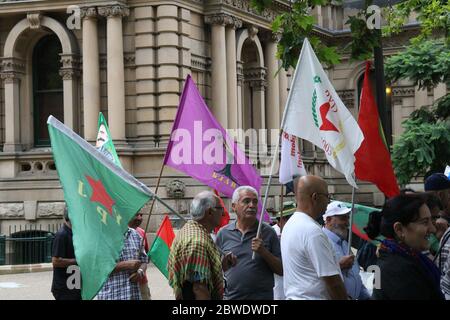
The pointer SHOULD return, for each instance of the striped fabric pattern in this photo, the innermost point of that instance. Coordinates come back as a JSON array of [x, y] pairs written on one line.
[[195, 258]]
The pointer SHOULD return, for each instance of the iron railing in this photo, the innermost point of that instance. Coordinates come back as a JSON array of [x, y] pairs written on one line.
[[27, 244]]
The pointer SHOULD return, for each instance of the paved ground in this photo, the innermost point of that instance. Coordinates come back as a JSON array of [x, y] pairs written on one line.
[[36, 286]]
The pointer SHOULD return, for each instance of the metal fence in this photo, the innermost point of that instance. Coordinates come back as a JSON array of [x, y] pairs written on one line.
[[27, 244]]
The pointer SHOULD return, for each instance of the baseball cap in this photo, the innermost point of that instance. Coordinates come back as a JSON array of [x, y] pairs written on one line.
[[335, 208], [436, 182]]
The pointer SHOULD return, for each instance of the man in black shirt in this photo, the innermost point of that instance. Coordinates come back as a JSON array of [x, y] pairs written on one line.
[[63, 256]]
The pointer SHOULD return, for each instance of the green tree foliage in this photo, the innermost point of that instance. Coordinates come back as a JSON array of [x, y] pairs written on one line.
[[297, 23], [433, 16], [424, 145], [293, 26], [426, 63]]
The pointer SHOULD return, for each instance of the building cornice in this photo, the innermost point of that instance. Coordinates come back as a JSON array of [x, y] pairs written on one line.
[[21, 6]]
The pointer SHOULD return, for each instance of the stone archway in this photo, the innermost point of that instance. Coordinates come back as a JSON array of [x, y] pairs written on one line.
[[16, 67], [251, 79]]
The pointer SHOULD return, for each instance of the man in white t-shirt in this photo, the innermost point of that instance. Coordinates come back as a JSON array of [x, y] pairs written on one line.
[[311, 269]]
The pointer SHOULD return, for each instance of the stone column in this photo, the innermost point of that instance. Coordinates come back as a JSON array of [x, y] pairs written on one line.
[[273, 86], [12, 111], [232, 97], [219, 66], [116, 71], [91, 73], [69, 72], [240, 85], [257, 81]]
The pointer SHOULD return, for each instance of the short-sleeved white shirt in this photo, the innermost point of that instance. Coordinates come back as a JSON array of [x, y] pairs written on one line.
[[278, 290], [308, 256]]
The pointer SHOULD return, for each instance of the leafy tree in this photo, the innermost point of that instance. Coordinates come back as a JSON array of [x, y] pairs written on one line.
[[426, 63], [424, 145], [297, 23]]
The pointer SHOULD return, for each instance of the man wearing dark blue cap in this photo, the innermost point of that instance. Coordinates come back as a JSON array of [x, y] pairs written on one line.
[[439, 184]]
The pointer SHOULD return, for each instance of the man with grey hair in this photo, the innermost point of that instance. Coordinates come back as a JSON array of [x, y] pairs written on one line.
[[195, 266], [249, 279]]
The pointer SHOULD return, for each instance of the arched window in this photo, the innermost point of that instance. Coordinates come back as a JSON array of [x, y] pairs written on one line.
[[47, 87]]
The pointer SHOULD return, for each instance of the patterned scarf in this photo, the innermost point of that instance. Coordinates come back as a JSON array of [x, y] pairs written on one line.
[[195, 258], [392, 246]]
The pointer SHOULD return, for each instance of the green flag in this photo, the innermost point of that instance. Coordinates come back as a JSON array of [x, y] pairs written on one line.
[[104, 141], [101, 197]]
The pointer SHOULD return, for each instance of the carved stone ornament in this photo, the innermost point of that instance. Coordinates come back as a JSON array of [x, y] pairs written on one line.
[[89, 13], [252, 32], [175, 189], [113, 11], [221, 18], [35, 20], [70, 67], [245, 6], [9, 77]]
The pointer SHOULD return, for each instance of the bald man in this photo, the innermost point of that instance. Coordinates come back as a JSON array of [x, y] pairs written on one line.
[[311, 269]]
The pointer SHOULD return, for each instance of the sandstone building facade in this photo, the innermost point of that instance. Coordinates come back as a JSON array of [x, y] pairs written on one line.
[[129, 60]]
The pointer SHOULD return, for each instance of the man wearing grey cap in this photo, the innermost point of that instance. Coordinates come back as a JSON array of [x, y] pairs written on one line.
[[336, 228]]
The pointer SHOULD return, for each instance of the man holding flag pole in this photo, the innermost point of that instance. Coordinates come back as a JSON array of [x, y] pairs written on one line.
[[101, 198], [157, 251], [315, 112]]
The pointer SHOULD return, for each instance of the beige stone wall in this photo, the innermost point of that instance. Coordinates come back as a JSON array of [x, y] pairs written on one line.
[[163, 41]]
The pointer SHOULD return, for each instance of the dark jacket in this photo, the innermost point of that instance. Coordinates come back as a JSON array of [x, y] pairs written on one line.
[[404, 278]]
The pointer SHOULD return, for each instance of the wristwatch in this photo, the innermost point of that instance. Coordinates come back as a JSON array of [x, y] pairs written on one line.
[[140, 272]]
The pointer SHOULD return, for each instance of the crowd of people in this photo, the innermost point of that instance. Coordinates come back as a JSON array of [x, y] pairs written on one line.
[[305, 255]]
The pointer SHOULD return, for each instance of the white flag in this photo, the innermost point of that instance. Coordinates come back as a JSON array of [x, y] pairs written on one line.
[[291, 163], [315, 113]]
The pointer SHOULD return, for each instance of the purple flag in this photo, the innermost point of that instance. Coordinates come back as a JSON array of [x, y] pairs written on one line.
[[202, 149]]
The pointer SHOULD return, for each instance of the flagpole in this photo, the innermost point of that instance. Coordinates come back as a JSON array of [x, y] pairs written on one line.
[[283, 121], [281, 199], [153, 200], [155, 197], [350, 233], [267, 191]]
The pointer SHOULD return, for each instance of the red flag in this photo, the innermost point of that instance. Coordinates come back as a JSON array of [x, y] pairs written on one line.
[[160, 250], [225, 216], [373, 162]]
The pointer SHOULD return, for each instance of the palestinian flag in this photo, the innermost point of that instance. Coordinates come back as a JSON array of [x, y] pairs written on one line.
[[101, 199], [159, 252], [360, 219]]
